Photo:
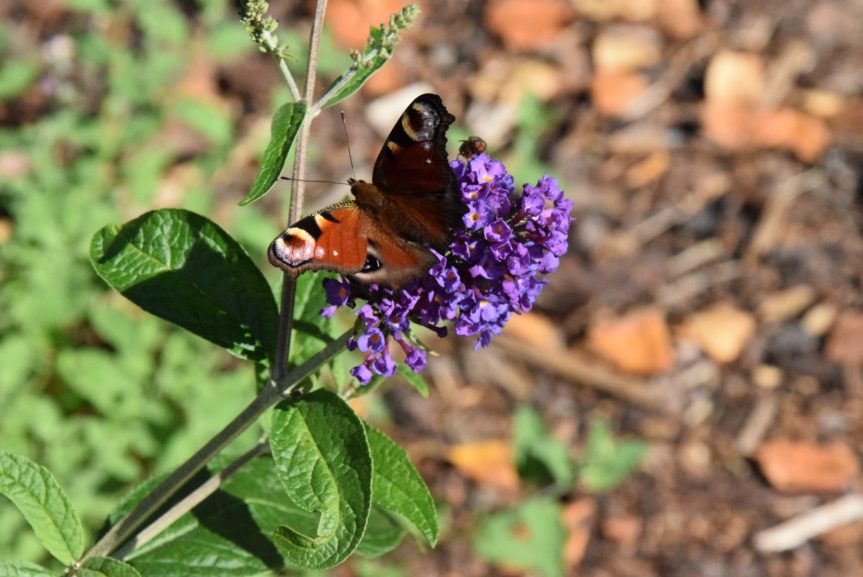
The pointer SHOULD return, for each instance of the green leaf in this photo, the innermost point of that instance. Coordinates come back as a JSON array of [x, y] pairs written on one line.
[[530, 537], [608, 461], [22, 569], [398, 487], [107, 567], [182, 267], [322, 456], [383, 534], [210, 121], [377, 51], [538, 457], [286, 123], [414, 379], [356, 77], [16, 76], [33, 489], [310, 327]]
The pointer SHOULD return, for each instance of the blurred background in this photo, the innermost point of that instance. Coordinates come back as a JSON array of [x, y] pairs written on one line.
[[690, 377]]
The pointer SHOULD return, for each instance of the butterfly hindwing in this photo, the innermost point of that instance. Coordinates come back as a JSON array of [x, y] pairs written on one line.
[[344, 239], [330, 239]]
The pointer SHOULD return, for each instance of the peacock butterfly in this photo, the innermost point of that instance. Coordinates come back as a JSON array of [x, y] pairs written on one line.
[[385, 234]]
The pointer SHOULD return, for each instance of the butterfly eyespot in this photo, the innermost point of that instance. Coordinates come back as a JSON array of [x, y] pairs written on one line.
[[372, 264]]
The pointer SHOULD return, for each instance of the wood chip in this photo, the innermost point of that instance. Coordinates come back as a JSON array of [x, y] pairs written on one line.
[[818, 320], [486, 462], [767, 377], [629, 10], [350, 20], [797, 531], [527, 25], [845, 344], [613, 92], [626, 48], [800, 467], [743, 127], [721, 331], [783, 305], [734, 78], [536, 329], [759, 422], [625, 530], [648, 170], [681, 19], [639, 342]]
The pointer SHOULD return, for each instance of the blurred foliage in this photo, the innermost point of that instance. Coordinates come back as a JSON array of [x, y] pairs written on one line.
[[91, 387], [606, 461], [535, 119], [530, 536]]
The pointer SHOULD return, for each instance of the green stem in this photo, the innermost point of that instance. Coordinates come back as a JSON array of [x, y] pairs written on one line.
[[286, 316]]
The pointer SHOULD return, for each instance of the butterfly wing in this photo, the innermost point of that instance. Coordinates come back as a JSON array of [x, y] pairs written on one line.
[[329, 239], [345, 239], [412, 169]]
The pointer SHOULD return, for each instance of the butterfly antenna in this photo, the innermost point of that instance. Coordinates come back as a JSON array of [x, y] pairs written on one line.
[[319, 181], [348, 141]]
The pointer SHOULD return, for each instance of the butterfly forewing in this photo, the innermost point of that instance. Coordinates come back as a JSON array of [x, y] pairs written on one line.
[[413, 159]]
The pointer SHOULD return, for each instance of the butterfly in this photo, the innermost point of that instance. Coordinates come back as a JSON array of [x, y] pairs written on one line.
[[384, 235], [473, 146]]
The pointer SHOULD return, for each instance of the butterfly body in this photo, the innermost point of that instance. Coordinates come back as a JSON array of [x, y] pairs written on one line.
[[385, 234]]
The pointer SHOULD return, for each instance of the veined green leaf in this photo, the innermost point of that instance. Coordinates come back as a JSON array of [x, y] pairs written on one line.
[[322, 456], [286, 123], [383, 534], [398, 487], [23, 569], [312, 331], [355, 77], [107, 567], [33, 489], [184, 268]]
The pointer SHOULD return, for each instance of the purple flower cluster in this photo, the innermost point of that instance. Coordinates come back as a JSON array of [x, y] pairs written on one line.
[[493, 269]]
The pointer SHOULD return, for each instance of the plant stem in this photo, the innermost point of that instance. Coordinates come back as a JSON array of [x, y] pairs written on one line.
[[299, 171], [286, 315], [286, 72], [190, 501], [167, 488]]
